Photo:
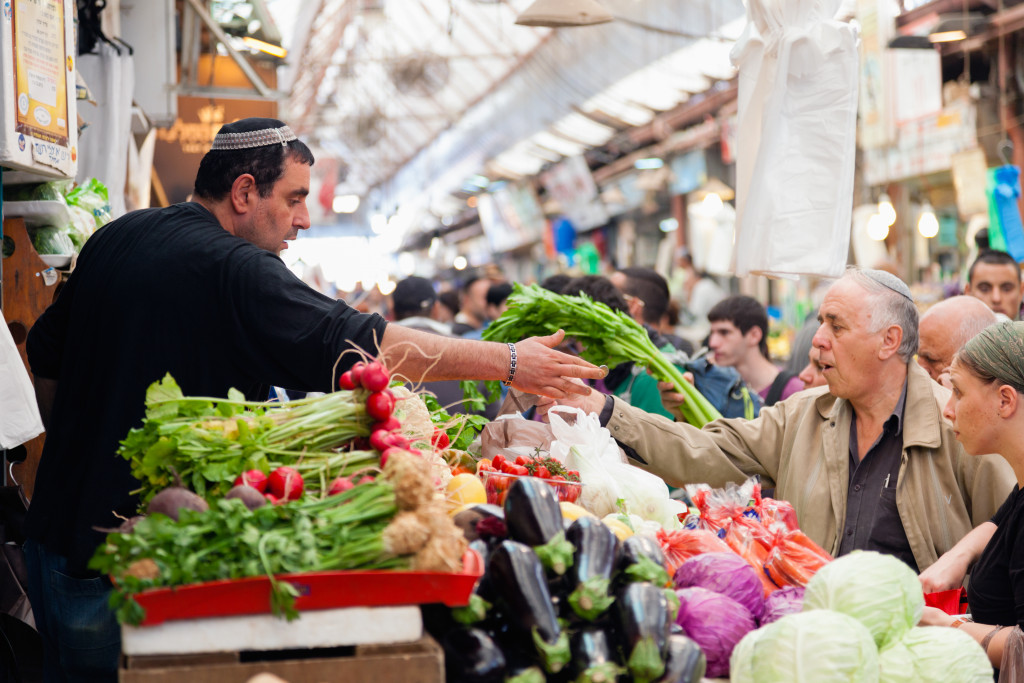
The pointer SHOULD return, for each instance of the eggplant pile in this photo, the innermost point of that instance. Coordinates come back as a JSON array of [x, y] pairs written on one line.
[[564, 603]]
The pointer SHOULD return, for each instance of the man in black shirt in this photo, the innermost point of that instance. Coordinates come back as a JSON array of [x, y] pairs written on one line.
[[197, 290]]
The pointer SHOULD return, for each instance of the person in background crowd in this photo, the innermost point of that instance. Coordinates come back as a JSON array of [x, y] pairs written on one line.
[[628, 381], [494, 306], [647, 294], [699, 291], [497, 294], [449, 308], [994, 277], [868, 462], [415, 304], [198, 291], [986, 410], [739, 339], [811, 375], [556, 283], [472, 313], [945, 328]]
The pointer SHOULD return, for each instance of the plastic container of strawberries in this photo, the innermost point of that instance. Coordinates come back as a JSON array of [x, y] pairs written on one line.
[[317, 590], [496, 486]]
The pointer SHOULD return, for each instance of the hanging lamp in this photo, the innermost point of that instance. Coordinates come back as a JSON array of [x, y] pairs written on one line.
[[564, 13]]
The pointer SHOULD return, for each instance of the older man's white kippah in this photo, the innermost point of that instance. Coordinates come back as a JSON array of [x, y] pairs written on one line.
[[889, 281], [252, 132]]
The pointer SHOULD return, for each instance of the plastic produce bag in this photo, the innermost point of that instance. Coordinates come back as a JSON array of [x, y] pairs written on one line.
[[797, 118], [682, 544], [1011, 669], [794, 558], [92, 195], [52, 240]]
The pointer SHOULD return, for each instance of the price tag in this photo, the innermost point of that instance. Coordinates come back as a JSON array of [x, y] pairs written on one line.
[[50, 276]]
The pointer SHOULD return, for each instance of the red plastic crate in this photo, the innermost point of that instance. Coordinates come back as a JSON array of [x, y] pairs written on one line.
[[317, 590]]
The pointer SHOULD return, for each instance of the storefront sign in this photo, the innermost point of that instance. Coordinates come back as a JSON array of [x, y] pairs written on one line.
[[689, 171], [877, 27], [37, 105], [571, 184], [924, 146], [511, 217]]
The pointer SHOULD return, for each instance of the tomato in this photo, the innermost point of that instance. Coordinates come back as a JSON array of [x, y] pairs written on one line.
[[520, 470], [543, 473], [498, 461], [522, 460]]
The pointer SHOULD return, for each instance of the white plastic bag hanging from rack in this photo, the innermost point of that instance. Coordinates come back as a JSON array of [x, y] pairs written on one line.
[[796, 142]]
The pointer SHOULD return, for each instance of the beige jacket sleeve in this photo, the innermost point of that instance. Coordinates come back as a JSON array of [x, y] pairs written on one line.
[[726, 450]]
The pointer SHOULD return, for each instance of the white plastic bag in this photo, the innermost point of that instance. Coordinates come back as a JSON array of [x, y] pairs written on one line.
[[19, 414], [797, 130], [589, 448]]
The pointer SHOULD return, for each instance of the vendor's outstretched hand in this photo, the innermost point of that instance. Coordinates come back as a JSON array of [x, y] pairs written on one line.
[[543, 371], [588, 403], [672, 399]]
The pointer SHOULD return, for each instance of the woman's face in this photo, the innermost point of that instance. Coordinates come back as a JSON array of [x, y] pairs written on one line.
[[972, 409], [811, 374]]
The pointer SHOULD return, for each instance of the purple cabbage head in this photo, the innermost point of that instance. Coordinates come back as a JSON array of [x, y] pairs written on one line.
[[725, 573], [716, 622], [786, 600]]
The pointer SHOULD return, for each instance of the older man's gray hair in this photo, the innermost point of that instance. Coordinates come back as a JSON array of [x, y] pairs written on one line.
[[891, 304]]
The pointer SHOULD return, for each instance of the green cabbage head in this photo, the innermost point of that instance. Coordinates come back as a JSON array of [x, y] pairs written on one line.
[[934, 653], [877, 590], [808, 647]]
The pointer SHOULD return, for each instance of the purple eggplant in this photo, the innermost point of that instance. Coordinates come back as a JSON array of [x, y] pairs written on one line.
[[471, 656], [684, 661], [642, 620], [517, 579], [533, 517], [593, 659], [592, 565], [641, 559]]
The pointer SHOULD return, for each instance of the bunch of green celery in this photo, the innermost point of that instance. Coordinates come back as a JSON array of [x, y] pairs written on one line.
[[608, 338]]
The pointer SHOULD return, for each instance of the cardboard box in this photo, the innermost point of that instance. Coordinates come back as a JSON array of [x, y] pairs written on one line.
[[418, 662]]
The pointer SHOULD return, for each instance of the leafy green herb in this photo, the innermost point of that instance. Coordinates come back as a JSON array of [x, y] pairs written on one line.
[[461, 429], [229, 541], [608, 338]]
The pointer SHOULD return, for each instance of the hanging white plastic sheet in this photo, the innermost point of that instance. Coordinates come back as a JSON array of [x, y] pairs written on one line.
[[19, 413], [796, 141]]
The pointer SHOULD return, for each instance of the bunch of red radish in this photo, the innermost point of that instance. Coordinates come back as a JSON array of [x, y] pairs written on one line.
[[380, 404], [283, 484]]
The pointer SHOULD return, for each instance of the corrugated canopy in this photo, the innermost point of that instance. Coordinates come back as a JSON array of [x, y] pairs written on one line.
[[415, 96]]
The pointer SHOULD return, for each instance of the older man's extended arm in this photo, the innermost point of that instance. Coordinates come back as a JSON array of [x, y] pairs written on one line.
[[725, 450]]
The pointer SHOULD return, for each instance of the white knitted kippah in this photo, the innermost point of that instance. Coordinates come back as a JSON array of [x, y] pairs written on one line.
[[252, 132]]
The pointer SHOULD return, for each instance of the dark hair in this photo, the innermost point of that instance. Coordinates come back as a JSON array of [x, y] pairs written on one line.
[[598, 288], [651, 288], [413, 296], [993, 257], [450, 300], [219, 169], [745, 313], [672, 312], [555, 283], [469, 282], [497, 293]]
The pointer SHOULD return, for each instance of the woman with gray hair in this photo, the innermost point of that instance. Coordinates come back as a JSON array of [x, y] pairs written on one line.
[[986, 410]]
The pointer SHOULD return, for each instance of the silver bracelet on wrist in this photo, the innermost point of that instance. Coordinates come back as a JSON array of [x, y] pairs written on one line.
[[511, 365]]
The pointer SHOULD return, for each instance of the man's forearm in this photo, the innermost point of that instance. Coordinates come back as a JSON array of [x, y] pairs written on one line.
[[422, 356], [46, 389]]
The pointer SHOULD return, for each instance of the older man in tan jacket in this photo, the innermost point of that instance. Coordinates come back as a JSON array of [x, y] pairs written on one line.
[[868, 462]]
